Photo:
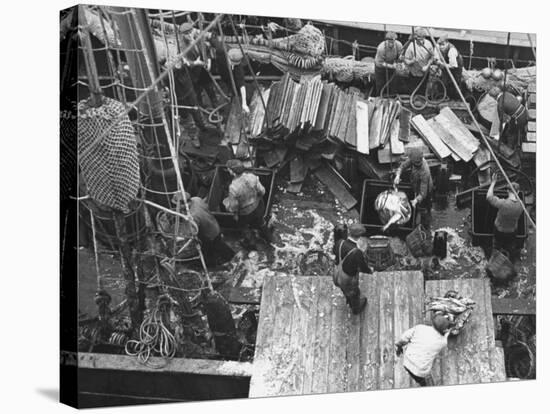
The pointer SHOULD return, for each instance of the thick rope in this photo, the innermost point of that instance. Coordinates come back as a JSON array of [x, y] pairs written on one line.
[[487, 142]]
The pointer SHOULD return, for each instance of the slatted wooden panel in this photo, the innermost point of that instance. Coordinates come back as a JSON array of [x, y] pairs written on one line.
[[472, 356], [309, 342]]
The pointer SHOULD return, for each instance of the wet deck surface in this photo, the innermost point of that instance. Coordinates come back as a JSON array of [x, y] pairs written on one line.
[[309, 342]]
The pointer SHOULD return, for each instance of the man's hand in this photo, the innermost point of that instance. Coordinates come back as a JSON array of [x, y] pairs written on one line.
[[494, 178], [398, 349], [425, 68], [397, 179], [414, 202], [246, 109]]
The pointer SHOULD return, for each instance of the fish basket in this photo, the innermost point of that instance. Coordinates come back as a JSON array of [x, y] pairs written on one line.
[[500, 268], [369, 216], [419, 242], [379, 253]]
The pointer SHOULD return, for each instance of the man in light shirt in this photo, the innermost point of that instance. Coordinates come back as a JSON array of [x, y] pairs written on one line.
[[418, 57], [448, 56], [422, 345], [385, 61]]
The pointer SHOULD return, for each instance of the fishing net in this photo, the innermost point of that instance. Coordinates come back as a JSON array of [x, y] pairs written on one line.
[[68, 129], [108, 154], [346, 69]]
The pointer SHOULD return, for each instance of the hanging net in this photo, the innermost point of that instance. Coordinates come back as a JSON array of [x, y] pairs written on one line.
[[108, 154]]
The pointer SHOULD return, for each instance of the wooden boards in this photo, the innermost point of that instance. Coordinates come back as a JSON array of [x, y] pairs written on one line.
[[323, 347], [336, 186], [362, 126], [430, 137]]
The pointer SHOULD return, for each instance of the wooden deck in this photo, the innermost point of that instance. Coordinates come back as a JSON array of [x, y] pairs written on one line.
[[472, 356], [308, 341]]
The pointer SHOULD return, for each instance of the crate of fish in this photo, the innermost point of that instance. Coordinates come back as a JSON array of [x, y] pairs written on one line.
[[395, 206]]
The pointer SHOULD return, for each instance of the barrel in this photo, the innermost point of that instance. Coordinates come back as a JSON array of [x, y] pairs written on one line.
[[440, 244], [105, 230]]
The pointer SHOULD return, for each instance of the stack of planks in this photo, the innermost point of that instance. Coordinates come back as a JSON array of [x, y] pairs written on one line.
[[256, 118], [530, 143], [446, 136]]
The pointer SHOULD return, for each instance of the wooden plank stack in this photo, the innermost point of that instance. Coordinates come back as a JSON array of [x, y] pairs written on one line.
[[530, 143]]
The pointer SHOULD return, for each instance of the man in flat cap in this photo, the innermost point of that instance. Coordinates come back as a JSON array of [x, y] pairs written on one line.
[[449, 56], [418, 57], [246, 201], [350, 260], [422, 185], [387, 55]]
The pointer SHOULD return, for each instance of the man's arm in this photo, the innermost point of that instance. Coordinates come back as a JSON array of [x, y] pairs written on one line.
[[406, 337], [423, 190], [406, 164], [409, 56], [453, 56], [259, 187]]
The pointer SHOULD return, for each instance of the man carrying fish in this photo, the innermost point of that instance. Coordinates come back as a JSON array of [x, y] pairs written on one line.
[[422, 185], [350, 261], [420, 345]]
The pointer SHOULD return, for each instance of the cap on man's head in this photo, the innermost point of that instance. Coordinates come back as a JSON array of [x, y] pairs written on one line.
[[494, 91], [186, 27], [416, 155], [357, 230], [443, 38], [516, 187], [391, 36], [420, 33], [236, 166], [441, 323], [177, 197], [235, 56]]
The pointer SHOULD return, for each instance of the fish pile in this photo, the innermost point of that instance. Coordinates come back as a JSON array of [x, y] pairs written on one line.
[[453, 306], [393, 207]]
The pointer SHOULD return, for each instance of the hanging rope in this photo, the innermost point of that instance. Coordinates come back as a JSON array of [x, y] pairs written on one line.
[[486, 142]]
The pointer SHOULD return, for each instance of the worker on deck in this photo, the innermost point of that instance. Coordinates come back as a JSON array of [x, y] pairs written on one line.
[[231, 65], [246, 202], [512, 114], [418, 57], [202, 81], [506, 221], [422, 344], [422, 185], [449, 56], [385, 61], [215, 249], [350, 260]]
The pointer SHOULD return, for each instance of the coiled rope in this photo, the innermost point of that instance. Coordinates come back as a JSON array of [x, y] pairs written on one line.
[[155, 339]]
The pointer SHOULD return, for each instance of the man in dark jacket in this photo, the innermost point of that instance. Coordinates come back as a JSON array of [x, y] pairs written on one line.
[[350, 261], [450, 57], [512, 114], [422, 185], [506, 221]]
